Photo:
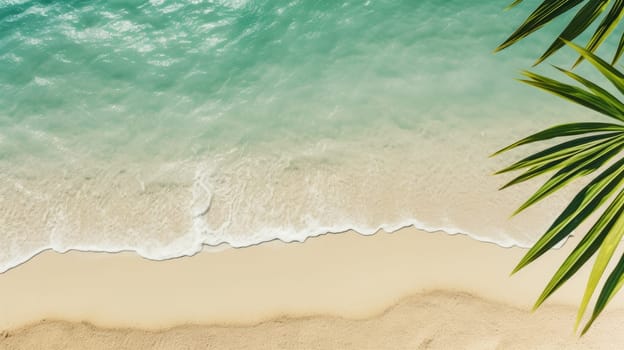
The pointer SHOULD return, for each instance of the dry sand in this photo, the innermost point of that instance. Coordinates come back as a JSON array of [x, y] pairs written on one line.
[[409, 289]]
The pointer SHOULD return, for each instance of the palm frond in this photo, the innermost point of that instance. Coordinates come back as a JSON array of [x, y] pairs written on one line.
[[612, 285], [563, 130], [556, 152], [608, 70], [591, 10], [584, 203], [513, 4], [589, 99], [592, 146], [581, 164], [607, 247], [606, 26]]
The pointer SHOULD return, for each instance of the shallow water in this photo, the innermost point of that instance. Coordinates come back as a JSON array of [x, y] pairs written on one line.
[[163, 126]]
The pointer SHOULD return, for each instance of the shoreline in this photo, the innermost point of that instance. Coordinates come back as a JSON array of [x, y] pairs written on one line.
[[210, 248], [346, 277], [165, 210]]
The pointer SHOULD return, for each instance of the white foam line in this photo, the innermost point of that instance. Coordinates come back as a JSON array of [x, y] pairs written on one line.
[[199, 244]]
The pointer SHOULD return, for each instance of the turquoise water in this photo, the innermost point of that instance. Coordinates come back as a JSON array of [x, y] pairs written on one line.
[[164, 126]]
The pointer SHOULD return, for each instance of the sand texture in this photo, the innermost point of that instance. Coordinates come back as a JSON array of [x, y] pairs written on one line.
[[437, 320], [406, 290]]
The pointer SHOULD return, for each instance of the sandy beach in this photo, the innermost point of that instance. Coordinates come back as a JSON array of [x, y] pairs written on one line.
[[409, 289], [238, 174]]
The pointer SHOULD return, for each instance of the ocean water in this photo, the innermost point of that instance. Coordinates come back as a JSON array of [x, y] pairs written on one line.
[[163, 127]]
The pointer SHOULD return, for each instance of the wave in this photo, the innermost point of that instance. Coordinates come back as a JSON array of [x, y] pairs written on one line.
[[245, 197]]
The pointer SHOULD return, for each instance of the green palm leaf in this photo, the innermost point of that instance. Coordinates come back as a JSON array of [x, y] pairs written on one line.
[[606, 250], [564, 130], [619, 50], [612, 285], [575, 94], [605, 28], [613, 103], [513, 4], [592, 146], [591, 10], [608, 71], [557, 152], [584, 203], [579, 23], [581, 164]]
